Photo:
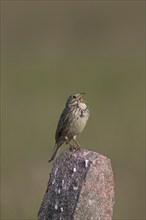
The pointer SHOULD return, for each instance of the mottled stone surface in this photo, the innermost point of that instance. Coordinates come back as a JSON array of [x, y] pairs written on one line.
[[80, 187]]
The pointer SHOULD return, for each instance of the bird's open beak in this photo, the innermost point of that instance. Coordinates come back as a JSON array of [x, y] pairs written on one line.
[[81, 99]]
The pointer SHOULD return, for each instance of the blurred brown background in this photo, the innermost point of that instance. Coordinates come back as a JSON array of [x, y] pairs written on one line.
[[50, 50]]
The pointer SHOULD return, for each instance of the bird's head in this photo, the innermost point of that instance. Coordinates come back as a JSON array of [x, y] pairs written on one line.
[[76, 98]]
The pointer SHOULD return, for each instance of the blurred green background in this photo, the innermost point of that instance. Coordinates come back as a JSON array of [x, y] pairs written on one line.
[[50, 50]]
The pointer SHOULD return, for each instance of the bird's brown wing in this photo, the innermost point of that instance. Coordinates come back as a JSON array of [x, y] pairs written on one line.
[[63, 120]]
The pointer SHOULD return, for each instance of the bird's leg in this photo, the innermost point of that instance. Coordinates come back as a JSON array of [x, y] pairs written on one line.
[[68, 142], [74, 139]]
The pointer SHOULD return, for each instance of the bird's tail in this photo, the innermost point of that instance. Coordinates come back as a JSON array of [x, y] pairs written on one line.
[[56, 147]]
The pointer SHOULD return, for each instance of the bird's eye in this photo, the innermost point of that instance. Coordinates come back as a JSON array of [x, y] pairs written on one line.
[[74, 97]]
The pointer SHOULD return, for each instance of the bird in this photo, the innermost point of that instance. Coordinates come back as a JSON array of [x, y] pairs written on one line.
[[71, 122]]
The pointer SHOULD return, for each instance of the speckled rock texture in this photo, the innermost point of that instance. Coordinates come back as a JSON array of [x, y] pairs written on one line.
[[80, 187]]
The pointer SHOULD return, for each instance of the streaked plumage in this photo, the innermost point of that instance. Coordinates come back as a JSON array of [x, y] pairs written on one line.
[[72, 121]]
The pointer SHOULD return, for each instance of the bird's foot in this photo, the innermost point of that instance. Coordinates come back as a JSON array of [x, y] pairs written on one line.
[[74, 148]]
